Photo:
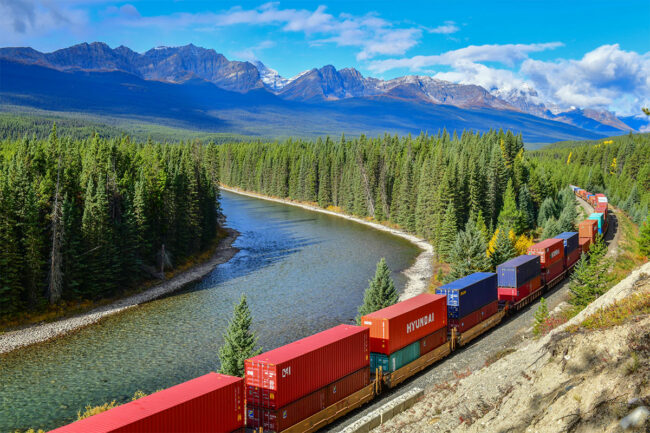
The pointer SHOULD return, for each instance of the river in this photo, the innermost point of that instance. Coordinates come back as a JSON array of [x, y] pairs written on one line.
[[302, 272]]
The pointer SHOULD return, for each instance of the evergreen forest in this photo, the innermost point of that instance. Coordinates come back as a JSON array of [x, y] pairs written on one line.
[[91, 218]]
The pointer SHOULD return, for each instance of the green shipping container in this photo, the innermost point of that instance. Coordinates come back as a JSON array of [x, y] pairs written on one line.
[[600, 218], [395, 360]]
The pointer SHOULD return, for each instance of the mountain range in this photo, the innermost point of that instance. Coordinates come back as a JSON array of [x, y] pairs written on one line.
[[251, 90]]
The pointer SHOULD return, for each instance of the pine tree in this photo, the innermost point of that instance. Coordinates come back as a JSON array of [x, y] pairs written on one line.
[[381, 292], [239, 341], [448, 232], [510, 215], [547, 211], [468, 253], [481, 227], [526, 208], [551, 228], [502, 248], [541, 314]]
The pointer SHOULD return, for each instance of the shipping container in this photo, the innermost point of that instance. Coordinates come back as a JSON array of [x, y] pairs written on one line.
[[399, 325], [431, 341], [469, 294], [474, 318], [516, 272], [304, 407], [602, 208], [550, 273], [570, 241], [599, 218], [511, 294], [210, 403], [395, 360], [588, 229], [550, 251], [292, 371], [601, 198], [585, 243], [571, 258]]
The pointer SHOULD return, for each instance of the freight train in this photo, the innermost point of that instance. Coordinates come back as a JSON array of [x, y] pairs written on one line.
[[307, 384]]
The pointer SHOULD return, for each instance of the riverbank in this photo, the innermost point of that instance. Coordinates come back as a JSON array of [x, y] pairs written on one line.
[[418, 275], [42, 332]]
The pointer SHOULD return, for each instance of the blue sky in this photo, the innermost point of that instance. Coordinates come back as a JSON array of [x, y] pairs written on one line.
[[573, 53]]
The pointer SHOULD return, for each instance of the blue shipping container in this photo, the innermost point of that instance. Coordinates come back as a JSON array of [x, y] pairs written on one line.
[[395, 360], [571, 241], [466, 295], [518, 271], [600, 218]]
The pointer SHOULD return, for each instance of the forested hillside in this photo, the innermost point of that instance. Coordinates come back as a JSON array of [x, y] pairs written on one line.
[[428, 185], [619, 167], [86, 219]]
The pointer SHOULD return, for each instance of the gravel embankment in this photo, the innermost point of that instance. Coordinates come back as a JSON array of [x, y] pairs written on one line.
[[38, 333], [418, 275]]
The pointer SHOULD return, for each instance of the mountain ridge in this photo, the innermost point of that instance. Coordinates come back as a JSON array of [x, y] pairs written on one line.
[[317, 85]]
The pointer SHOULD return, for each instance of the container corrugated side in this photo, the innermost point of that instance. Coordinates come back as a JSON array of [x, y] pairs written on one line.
[[399, 325], [431, 341], [289, 372], [517, 294], [395, 360], [294, 412], [572, 258], [570, 241], [516, 272], [550, 273], [550, 251], [588, 229], [209, 403], [465, 323], [585, 243], [470, 293]]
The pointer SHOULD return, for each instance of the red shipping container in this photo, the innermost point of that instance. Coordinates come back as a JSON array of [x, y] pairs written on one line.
[[549, 274], [285, 417], [601, 208], [289, 372], [585, 243], [210, 403], [588, 229], [515, 295], [550, 251], [473, 319], [572, 257], [399, 325], [431, 341]]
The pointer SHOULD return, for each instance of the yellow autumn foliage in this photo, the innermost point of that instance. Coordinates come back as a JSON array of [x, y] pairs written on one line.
[[568, 160], [522, 244]]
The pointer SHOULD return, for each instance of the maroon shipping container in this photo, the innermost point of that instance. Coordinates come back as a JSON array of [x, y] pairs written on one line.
[[210, 403], [399, 325], [289, 372], [571, 258], [285, 417], [588, 229], [515, 295], [431, 341], [473, 319], [584, 243], [549, 274], [601, 208], [550, 251]]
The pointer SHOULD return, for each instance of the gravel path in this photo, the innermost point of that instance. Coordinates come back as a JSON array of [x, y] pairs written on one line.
[[38, 333], [418, 275]]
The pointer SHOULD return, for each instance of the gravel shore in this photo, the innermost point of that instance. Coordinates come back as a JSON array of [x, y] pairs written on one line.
[[42, 332], [418, 275]]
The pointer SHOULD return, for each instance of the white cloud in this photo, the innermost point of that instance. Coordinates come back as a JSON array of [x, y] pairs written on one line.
[[250, 54], [605, 77], [508, 54], [369, 33], [22, 19], [446, 29]]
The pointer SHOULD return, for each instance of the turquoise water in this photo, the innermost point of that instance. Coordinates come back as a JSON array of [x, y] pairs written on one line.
[[302, 272]]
